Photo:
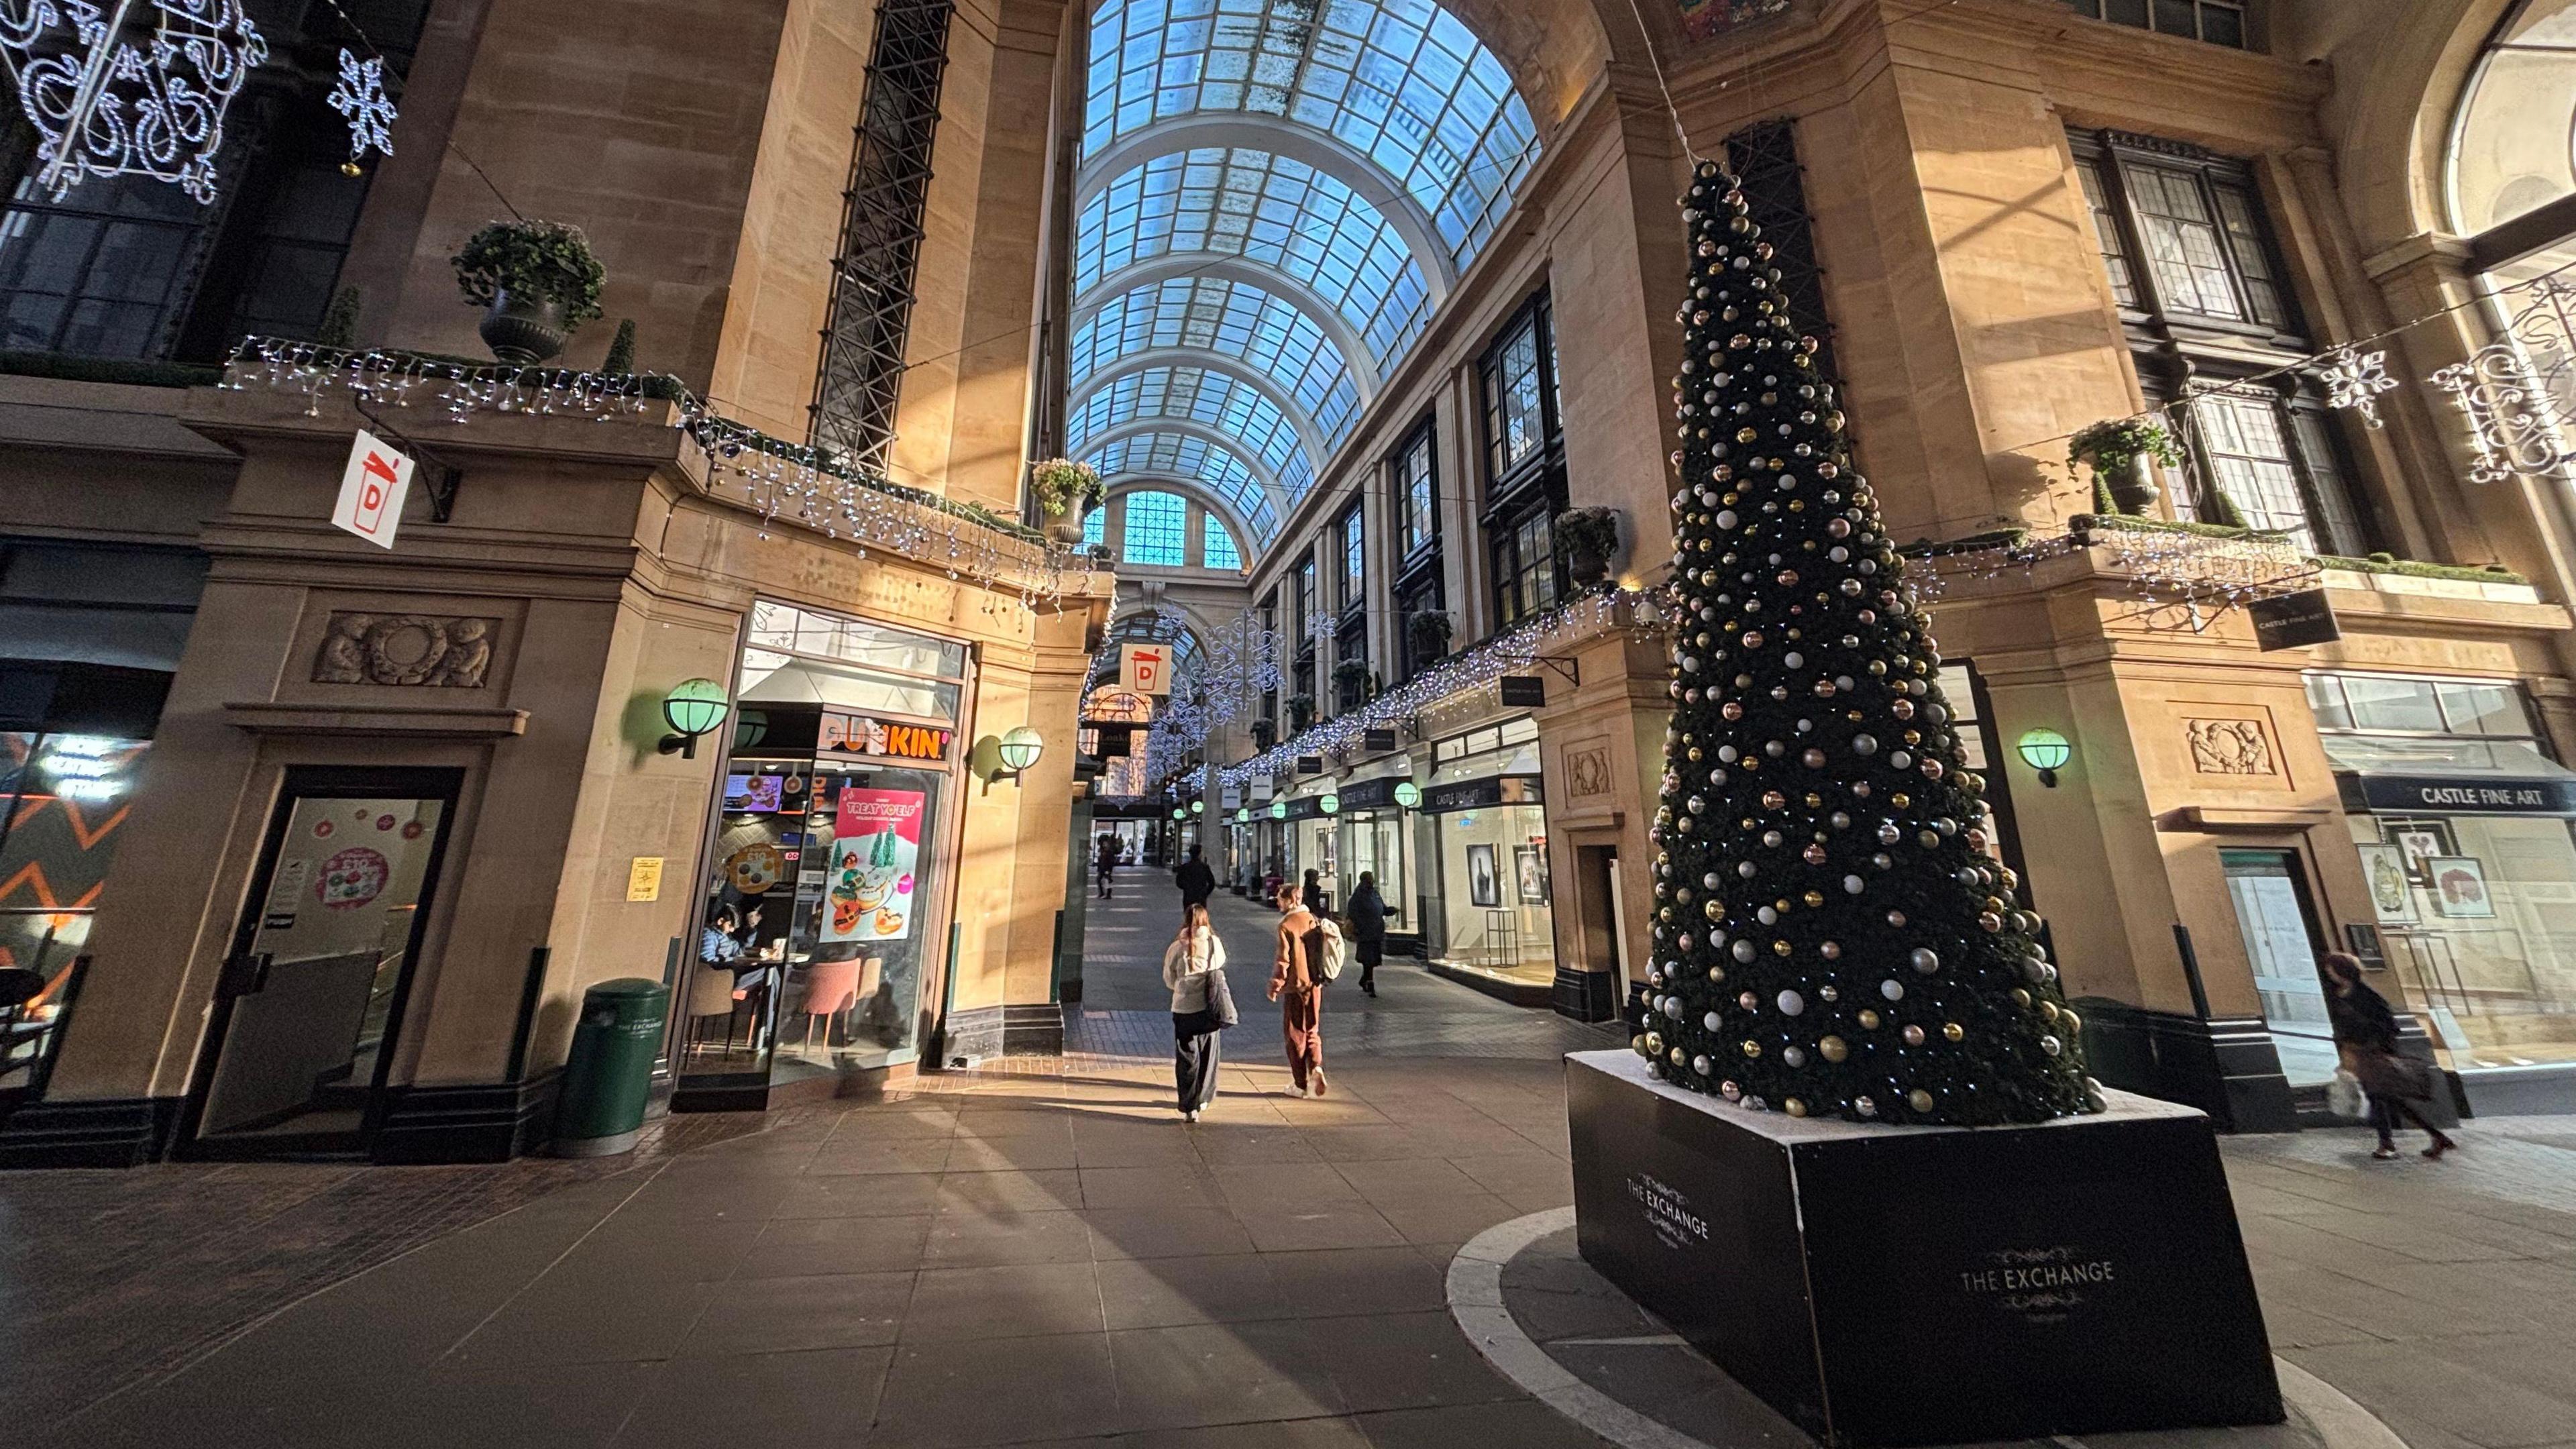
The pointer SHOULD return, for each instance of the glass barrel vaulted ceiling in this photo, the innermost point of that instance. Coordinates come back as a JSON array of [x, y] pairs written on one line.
[[1275, 195]]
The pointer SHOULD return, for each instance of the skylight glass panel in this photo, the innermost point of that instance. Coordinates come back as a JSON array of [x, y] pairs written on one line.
[[1218, 550], [1095, 527], [1179, 457], [1227, 404], [1401, 81], [1267, 209], [1157, 529], [1235, 319]]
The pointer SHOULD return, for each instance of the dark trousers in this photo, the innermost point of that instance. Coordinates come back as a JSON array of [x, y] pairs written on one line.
[[2387, 1114], [1370, 954], [1196, 1045], [1104, 882]]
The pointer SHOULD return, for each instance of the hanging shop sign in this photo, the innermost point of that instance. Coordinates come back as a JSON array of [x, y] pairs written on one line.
[[1310, 764], [372, 488], [2294, 621], [1308, 807], [859, 734], [1263, 787], [1374, 741], [2459, 794], [1522, 691], [1477, 794], [1229, 798], [1145, 668]]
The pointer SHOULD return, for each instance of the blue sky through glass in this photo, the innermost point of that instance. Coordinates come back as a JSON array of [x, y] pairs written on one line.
[[1178, 456], [1219, 548], [1225, 403], [1236, 319]]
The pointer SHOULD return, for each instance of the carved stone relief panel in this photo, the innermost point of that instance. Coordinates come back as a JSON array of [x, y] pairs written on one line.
[[2231, 746], [433, 651], [1587, 770]]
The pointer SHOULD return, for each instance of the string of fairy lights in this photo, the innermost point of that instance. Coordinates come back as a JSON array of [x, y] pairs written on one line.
[[779, 481]]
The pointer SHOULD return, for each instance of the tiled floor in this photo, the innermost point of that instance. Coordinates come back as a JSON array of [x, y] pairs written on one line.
[[1041, 1254]]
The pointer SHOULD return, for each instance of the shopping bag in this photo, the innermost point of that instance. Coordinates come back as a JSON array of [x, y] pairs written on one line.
[[1220, 1000], [2343, 1096]]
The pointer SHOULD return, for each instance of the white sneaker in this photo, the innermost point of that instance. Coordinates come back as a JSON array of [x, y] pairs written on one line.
[[1189, 1116]]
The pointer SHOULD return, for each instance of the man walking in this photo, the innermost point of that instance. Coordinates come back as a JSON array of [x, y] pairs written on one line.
[[1108, 863], [1196, 881]]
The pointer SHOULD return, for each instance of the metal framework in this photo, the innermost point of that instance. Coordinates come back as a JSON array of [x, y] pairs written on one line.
[[1764, 158], [865, 332]]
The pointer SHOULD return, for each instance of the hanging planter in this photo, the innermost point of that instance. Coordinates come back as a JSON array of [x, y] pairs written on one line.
[[1428, 633], [537, 283], [1065, 491], [2124, 454]]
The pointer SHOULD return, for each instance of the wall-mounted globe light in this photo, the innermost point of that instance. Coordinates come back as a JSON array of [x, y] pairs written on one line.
[[2046, 751], [694, 708], [1408, 794], [1021, 747], [1198, 807], [1243, 815], [1278, 809], [1179, 813], [1330, 804]]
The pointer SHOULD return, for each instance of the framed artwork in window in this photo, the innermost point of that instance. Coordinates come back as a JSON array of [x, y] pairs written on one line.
[[1530, 873], [2460, 888], [2392, 896], [1484, 876]]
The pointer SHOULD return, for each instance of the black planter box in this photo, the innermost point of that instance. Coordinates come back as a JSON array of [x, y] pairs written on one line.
[[1887, 1286]]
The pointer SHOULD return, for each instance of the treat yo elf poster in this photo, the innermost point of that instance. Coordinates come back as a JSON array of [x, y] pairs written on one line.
[[876, 845]]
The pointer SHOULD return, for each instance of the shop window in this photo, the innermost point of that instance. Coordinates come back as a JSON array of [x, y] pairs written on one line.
[[1157, 529], [131, 268], [1526, 455], [822, 926], [2220, 22], [2462, 818], [1216, 546], [2191, 260]]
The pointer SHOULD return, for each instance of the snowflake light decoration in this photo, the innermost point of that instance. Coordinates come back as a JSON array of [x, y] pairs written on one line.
[[360, 96], [2356, 379], [104, 105]]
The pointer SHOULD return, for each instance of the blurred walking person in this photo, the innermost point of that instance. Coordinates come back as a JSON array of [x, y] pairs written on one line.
[[1366, 913], [1196, 881], [2365, 1032]]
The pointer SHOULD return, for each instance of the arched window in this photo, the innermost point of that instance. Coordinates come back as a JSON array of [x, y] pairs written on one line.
[[2513, 143], [1219, 550], [1095, 527], [1157, 529]]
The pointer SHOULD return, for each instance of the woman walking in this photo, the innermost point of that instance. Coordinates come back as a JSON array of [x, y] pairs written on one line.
[[2365, 1029], [1366, 913], [1194, 969], [1297, 984]]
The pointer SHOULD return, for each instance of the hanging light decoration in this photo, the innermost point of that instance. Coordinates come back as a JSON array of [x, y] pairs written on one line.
[[107, 100]]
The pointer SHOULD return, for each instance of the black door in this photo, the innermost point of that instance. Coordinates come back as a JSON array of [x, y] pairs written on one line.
[[311, 999]]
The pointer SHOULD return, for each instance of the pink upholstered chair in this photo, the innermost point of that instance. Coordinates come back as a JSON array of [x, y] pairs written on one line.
[[831, 987]]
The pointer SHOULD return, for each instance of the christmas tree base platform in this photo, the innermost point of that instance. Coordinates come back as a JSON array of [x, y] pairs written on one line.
[[1890, 1286]]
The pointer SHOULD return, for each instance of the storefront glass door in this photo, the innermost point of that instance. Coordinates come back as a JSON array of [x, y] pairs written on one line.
[[311, 999], [2282, 941]]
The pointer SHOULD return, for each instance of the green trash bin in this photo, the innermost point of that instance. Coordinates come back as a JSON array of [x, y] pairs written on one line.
[[610, 1072]]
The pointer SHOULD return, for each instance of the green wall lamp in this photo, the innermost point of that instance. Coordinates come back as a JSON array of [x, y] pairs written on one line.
[[1198, 807], [1278, 809], [694, 709], [1408, 794], [2046, 751], [1330, 804], [1005, 756]]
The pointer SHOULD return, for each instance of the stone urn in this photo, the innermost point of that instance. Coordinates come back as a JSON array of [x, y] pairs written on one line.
[[2135, 488], [1065, 528], [524, 329]]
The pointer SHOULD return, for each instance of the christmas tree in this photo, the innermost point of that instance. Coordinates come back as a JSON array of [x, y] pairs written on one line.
[[1831, 937]]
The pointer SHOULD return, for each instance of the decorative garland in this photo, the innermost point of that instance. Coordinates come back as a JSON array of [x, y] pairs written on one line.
[[780, 480]]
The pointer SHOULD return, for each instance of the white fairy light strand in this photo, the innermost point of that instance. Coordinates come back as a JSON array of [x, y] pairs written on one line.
[[778, 482]]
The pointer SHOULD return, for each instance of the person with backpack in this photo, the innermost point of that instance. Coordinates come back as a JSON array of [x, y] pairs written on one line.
[[1310, 955], [1366, 911], [1196, 881], [1194, 969]]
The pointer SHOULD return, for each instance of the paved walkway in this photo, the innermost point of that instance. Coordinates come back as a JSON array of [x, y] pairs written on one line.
[[1040, 1254]]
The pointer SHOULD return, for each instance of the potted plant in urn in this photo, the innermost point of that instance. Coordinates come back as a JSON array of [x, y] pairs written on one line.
[[535, 280], [1301, 713], [1590, 538], [1065, 491], [2124, 454], [1428, 634], [1351, 683]]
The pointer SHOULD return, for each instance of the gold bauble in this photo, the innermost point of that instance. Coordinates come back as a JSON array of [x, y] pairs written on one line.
[[1814, 899], [2048, 1010], [1794, 1107], [1919, 1099], [2021, 998], [1753, 1048], [2069, 1020], [1952, 1031], [1833, 1049], [1868, 1020]]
